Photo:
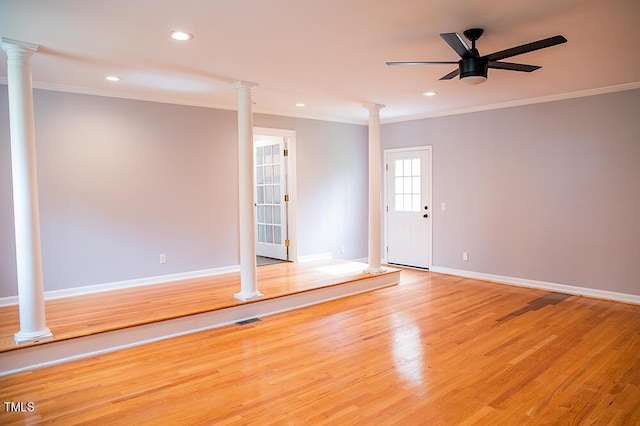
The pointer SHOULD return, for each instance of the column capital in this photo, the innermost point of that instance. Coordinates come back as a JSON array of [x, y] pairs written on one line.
[[373, 108], [18, 49], [243, 84]]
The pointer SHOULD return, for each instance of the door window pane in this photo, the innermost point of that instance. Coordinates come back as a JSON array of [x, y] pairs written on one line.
[[407, 185], [276, 215], [276, 194], [277, 235], [259, 155], [399, 168], [260, 175], [268, 176], [268, 194], [267, 155]]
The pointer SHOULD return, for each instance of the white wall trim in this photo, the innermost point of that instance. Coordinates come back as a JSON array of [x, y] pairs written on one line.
[[542, 285], [97, 288], [519, 102], [313, 257]]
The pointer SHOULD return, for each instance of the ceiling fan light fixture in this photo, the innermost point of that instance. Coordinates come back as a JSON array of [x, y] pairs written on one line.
[[474, 79]]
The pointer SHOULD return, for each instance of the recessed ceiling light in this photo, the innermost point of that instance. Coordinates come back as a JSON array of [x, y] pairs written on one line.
[[112, 78], [181, 36], [299, 104], [429, 93]]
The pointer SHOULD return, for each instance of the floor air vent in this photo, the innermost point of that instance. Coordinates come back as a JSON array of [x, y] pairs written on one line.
[[248, 321]]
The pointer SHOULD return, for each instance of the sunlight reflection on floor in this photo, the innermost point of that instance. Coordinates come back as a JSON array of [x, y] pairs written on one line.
[[407, 349]]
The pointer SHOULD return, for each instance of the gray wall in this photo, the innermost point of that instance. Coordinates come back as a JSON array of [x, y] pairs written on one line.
[[122, 181], [547, 192]]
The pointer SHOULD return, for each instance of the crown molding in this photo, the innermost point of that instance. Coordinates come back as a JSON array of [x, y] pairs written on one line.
[[177, 101], [520, 102]]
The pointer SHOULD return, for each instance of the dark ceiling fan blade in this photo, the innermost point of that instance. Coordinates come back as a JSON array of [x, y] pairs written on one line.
[[451, 75], [513, 67], [525, 48], [419, 62], [457, 43]]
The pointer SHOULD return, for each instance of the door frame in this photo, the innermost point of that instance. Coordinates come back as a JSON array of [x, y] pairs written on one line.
[[386, 196], [292, 205]]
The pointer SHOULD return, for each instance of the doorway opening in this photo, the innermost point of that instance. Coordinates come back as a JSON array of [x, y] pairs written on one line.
[[275, 201]]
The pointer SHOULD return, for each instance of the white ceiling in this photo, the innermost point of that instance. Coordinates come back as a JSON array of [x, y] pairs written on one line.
[[329, 54]]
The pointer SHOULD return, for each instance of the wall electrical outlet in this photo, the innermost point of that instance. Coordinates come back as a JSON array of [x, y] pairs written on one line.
[[342, 249], [163, 258], [465, 255], [443, 206]]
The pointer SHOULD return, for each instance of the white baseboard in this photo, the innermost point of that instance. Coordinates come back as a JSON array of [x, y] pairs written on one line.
[[314, 257], [543, 285], [97, 288]]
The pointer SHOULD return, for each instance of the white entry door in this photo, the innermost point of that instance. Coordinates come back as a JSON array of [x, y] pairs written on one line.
[[270, 186], [408, 206]]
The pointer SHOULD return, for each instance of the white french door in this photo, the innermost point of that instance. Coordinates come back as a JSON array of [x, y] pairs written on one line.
[[408, 206], [271, 198]]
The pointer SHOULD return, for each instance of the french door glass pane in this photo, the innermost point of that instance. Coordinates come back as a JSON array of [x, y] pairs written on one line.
[[267, 155], [268, 175], [268, 194], [260, 194], [276, 194], [276, 154], [259, 155], [277, 235], [276, 215], [260, 174]]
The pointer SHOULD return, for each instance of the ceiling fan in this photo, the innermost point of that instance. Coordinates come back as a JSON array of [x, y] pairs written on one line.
[[472, 68]]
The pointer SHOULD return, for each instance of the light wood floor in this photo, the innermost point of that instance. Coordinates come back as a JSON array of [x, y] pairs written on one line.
[[433, 350], [79, 316]]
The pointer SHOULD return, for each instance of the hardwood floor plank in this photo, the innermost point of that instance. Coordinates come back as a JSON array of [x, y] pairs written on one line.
[[84, 315], [431, 350]]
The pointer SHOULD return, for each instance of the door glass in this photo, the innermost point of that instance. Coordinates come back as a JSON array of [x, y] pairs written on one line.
[[268, 193], [407, 185]]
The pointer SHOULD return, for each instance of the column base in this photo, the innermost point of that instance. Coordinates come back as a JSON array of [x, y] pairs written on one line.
[[26, 338], [250, 295], [374, 271]]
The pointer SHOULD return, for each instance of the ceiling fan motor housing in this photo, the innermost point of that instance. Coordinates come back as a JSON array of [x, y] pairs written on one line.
[[474, 67]]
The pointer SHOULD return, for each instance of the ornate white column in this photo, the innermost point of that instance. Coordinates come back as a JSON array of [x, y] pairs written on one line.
[[247, 216], [374, 190], [33, 325]]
